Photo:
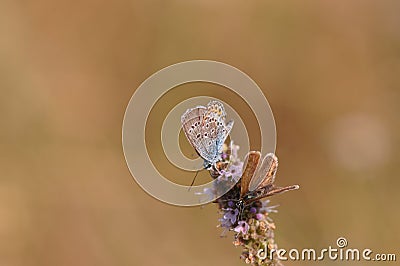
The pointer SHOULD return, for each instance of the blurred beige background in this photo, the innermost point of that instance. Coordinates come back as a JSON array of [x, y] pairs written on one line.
[[330, 70]]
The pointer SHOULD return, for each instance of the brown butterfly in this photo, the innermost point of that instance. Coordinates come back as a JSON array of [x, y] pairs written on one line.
[[257, 180]]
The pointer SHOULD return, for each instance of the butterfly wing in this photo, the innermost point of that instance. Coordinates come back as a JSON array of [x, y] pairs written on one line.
[[218, 115], [214, 131], [216, 109], [249, 168], [191, 124], [225, 131], [265, 174], [209, 129]]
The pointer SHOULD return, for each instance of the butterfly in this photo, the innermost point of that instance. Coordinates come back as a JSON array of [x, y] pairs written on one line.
[[257, 181], [206, 131]]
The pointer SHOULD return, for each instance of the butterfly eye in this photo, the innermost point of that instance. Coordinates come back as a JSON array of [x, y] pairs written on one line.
[[207, 125], [206, 134], [190, 130], [198, 136]]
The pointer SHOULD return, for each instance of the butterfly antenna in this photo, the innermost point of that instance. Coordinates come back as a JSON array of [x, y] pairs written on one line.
[[193, 180]]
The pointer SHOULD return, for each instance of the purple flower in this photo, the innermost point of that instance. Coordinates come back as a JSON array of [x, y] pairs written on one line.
[[229, 217], [267, 208], [235, 171], [253, 210], [259, 216], [242, 227], [225, 223]]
